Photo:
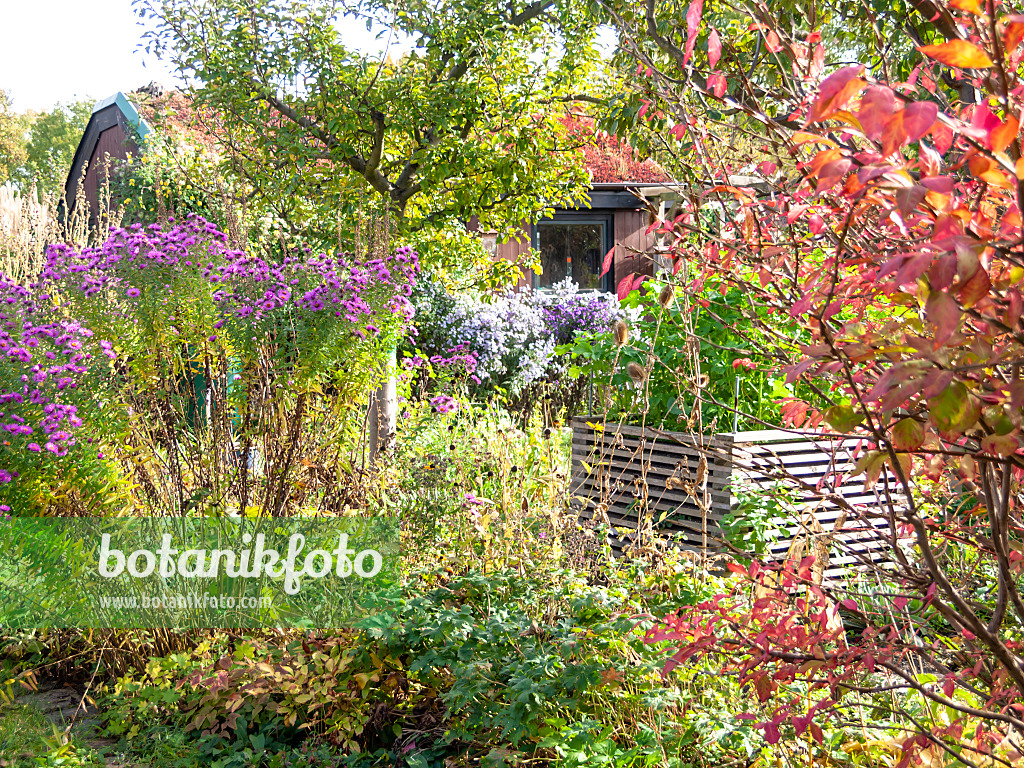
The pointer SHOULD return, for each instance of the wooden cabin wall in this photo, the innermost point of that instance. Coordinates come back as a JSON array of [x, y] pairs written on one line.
[[112, 146], [633, 245]]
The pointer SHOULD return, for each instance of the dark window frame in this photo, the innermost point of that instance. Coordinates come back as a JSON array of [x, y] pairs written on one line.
[[605, 218]]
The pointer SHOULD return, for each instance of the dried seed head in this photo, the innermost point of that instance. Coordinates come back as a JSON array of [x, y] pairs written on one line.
[[621, 331], [636, 372], [665, 297]]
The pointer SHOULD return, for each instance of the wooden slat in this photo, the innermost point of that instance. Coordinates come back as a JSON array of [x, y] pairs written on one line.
[[621, 455]]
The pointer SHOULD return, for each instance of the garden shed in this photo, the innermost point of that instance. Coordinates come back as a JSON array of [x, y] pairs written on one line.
[[114, 132], [573, 241]]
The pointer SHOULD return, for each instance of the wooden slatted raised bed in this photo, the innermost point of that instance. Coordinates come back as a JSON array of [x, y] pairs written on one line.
[[682, 484]]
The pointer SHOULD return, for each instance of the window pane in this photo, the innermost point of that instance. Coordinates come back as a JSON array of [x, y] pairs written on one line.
[[554, 254], [585, 241], [570, 248]]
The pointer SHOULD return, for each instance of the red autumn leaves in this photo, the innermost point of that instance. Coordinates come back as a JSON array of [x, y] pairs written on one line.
[[880, 116]]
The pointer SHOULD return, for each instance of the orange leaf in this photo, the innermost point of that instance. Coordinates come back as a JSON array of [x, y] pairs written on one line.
[[957, 53], [986, 170], [823, 158], [835, 91], [1019, 168], [1004, 134], [1014, 33], [802, 137], [971, 6]]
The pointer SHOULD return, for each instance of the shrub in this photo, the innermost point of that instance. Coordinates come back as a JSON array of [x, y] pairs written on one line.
[[512, 337], [680, 366], [232, 370]]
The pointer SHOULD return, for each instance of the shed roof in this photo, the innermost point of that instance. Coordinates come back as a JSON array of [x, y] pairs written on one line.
[[612, 160]]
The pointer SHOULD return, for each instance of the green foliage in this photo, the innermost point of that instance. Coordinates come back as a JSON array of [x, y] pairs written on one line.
[[13, 130], [525, 667], [52, 140], [464, 125], [164, 181], [29, 740], [752, 523], [675, 393]]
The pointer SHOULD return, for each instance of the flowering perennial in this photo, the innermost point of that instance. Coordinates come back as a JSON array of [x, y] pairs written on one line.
[[163, 276], [47, 360], [512, 337]]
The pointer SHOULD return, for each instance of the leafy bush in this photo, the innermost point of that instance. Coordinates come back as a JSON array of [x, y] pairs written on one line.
[[680, 367], [476, 666], [512, 338]]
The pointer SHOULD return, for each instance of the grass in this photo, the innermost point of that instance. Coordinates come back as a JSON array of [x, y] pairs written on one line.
[[28, 739]]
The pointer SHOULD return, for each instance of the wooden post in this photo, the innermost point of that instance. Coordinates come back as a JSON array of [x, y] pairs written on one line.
[[382, 422]]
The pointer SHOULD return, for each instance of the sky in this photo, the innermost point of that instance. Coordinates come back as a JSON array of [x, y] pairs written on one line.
[[66, 50]]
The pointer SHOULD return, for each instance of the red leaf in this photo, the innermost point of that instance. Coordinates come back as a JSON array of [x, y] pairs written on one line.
[[944, 313], [957, 53], [876, 107], [832, 173], [835, 91], [606, 263], [943, 137], [816, 732], [908, 198], [975, 289], [929, 160], [943, 185], [849, 604], [625, 284], [795, 213], [918, 119], [717, 84], [714, 48], [693, 14], [900, 602], [942, 272]]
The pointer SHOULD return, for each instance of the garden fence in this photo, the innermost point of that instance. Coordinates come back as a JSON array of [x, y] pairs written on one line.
[[683, 485]]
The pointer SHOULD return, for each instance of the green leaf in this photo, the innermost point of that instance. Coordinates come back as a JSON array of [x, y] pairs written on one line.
[[843, 418], [954, 410]]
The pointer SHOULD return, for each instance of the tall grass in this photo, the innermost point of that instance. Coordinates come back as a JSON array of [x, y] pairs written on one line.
[[30, 222]]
